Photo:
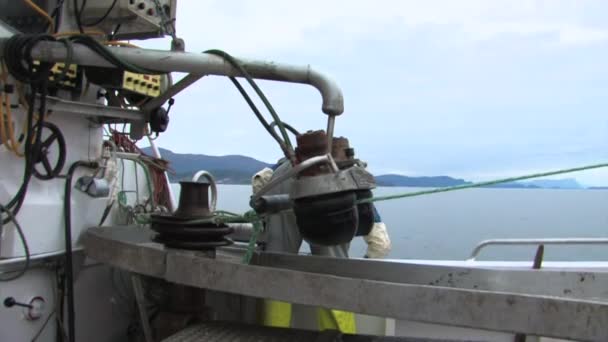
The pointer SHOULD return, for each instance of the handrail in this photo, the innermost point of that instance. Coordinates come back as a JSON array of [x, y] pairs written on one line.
[[546, 241]]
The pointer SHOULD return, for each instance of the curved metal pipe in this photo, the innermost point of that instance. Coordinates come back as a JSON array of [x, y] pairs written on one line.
[[201, 63], [308, 163]]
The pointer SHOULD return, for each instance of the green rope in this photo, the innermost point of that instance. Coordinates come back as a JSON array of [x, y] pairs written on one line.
[[482, 184], [257, 228]]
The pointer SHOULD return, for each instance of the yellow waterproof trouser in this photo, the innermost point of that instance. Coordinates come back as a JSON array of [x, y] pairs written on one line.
[[278, 314]]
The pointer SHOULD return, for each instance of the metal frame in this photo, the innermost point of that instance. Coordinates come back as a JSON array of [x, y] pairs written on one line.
[[138, 290], [199, 64], [535, 242], [93, 110], [182, 84], [492, 299]]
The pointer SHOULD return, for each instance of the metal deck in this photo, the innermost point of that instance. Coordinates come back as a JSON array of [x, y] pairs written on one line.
[[554, 303]]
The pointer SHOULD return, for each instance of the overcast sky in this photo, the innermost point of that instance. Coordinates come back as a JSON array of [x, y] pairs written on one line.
[[471, 89]]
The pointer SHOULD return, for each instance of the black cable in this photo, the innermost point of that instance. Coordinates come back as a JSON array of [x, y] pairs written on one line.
[[255, 87], [109, 56], [105, 213], [17, 56], [46, 322], [56, 14], [287, 127], [69, 267], [31, 151], [26, 248], [102, 18], [114, 32], [19, 61], [257, 113], [77, 13]]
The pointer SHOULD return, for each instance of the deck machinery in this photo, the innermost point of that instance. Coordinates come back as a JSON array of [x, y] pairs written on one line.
[[68, 76]]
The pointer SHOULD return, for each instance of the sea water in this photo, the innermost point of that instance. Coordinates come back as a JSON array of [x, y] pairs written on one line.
[[449, 225]]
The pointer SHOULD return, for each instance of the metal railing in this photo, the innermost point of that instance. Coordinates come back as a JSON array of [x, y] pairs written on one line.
[[536, 242]]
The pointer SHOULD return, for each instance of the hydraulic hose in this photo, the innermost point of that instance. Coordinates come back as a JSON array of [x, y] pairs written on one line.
[[69, 267]]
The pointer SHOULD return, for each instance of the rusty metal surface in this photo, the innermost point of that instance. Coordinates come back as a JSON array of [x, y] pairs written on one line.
[[338, 149], [312, 144], [193, 200], [507, 307]]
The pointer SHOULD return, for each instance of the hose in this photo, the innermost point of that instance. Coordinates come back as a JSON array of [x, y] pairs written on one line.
[[69, 267], [282, 144], [255, 87], [26, 248]]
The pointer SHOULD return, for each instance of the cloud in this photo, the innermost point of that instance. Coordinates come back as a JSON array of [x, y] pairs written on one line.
[[464, 88], [251, 27]]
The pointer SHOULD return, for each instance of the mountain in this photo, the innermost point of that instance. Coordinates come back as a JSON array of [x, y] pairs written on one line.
[[237, 169], [566, 183], [231, 169], [399, 180]]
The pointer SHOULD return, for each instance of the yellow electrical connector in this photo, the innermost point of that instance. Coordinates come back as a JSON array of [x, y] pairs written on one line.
[[11, 143], [148, 85], [70, 77]]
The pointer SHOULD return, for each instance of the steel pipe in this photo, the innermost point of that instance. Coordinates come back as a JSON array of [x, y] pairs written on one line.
[[202, 64]]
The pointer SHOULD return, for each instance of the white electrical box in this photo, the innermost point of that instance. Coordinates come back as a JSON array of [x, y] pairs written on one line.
[[138, 19]]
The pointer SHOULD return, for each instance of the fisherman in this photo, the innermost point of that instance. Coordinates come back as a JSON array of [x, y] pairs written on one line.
[[282, 236]]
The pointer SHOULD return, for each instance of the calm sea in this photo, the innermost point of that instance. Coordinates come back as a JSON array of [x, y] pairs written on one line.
[[449, 225]]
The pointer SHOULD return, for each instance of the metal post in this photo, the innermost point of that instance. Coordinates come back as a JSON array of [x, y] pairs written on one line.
[[331, 122], [141, 306], [156, 154]]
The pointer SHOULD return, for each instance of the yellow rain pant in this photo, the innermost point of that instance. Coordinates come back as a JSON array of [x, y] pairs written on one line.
[[278, 314]]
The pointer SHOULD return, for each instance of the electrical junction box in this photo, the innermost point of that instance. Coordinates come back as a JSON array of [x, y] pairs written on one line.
[[138, 19]]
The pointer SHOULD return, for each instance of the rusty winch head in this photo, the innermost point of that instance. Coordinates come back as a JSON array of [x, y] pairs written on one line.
[[193, 200], [326, 202]]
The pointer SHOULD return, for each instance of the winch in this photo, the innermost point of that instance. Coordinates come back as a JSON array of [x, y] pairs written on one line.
[[325, 196], [192, 225]]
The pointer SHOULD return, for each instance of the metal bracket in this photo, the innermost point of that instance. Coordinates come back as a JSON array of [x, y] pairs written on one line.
[[93, 110], [172, 91]]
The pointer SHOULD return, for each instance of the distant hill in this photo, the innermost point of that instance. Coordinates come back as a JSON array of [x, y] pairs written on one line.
[[237, 169], [566, 183], [399, 180], [231, 169]]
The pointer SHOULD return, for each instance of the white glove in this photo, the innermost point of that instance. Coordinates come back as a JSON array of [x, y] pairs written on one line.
[[378, 242], [260, 179]]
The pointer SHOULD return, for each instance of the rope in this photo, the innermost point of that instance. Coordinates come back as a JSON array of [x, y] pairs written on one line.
[[481, 184], [257, 228]]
